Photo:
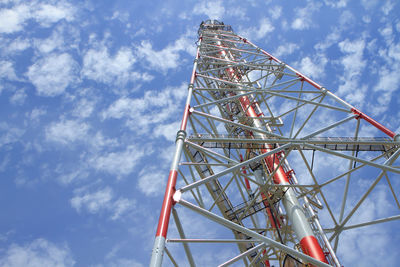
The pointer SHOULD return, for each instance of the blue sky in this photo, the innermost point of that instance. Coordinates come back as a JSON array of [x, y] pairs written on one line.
[[92, 92]]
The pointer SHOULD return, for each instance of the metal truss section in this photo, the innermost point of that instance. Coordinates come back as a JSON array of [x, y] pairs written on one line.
[[270, 168], [382, 144]]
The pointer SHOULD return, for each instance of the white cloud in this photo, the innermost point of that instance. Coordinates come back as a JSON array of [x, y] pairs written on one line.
[[303, 18], [387, 33], [353, 65], [53, 74], [67, 131], [9, 133], [84, 108], [112, 258], [286, 49], [314, 68], [168, 57], [213, 10], [14, 19], [101, 200], [259, 32], [388, 80], [93, 202], [18, 98], [98, 141], [152, 181], [366, 19], [124, 263], [233, 11], [346, 19], [40, 252], [47, 14], [48, 45], [122, 16], [35, 114], [68, 178], [387, 7], [121, 206], [353, 61], [168, 131], [369, 4], [154, 107], [393, 53], [335, 3], [398, 26], [120, 163], [388, 83], [275, 12], [15, 45], [7, 70], [100, 66], [331, 38]]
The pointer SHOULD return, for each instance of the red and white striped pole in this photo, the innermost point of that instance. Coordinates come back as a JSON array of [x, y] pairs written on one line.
[[168, 203]]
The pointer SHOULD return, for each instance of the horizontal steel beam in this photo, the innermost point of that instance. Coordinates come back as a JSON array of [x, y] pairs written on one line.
[[214, 240]]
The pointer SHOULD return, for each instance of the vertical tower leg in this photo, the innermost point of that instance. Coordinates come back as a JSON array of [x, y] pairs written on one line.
[[161, 235]]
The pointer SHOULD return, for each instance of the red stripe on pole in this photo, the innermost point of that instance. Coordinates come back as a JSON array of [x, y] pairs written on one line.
[[311, 247], [272, 161], [185, 118], [373, 122], [305, 78], [167, 205]]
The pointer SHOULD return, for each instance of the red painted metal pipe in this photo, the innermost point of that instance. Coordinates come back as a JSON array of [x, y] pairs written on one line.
[[373, 122], [168, 202]]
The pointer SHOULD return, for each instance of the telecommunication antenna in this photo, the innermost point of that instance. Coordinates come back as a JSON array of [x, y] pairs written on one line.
[[273, 158]]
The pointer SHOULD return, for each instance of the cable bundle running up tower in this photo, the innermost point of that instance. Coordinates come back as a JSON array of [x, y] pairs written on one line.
[[271, 158]]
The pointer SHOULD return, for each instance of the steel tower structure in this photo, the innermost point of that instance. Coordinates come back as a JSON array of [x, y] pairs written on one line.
[[273, 159]]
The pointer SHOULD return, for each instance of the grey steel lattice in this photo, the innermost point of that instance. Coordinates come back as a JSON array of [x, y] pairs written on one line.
[[248, 116]]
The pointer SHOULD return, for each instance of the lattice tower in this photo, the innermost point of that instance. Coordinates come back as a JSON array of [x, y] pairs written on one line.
[[271, 158]]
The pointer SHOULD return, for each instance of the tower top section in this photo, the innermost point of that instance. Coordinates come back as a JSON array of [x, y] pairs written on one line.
[[213, 24]]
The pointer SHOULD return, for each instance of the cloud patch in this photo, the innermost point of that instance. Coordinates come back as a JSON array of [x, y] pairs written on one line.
[[152, 181], [213, 10], [7, 70], [314, 68], [15, 18], [99, 201], [67, 131], [119, 163], [39, 252], [52, 74], [303, 18], [259, 32], [353, 63], [144, 112], [168, 57], [99, 65]]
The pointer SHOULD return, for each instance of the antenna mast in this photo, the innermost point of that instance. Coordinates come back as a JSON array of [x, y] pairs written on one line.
[[254, 122]]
